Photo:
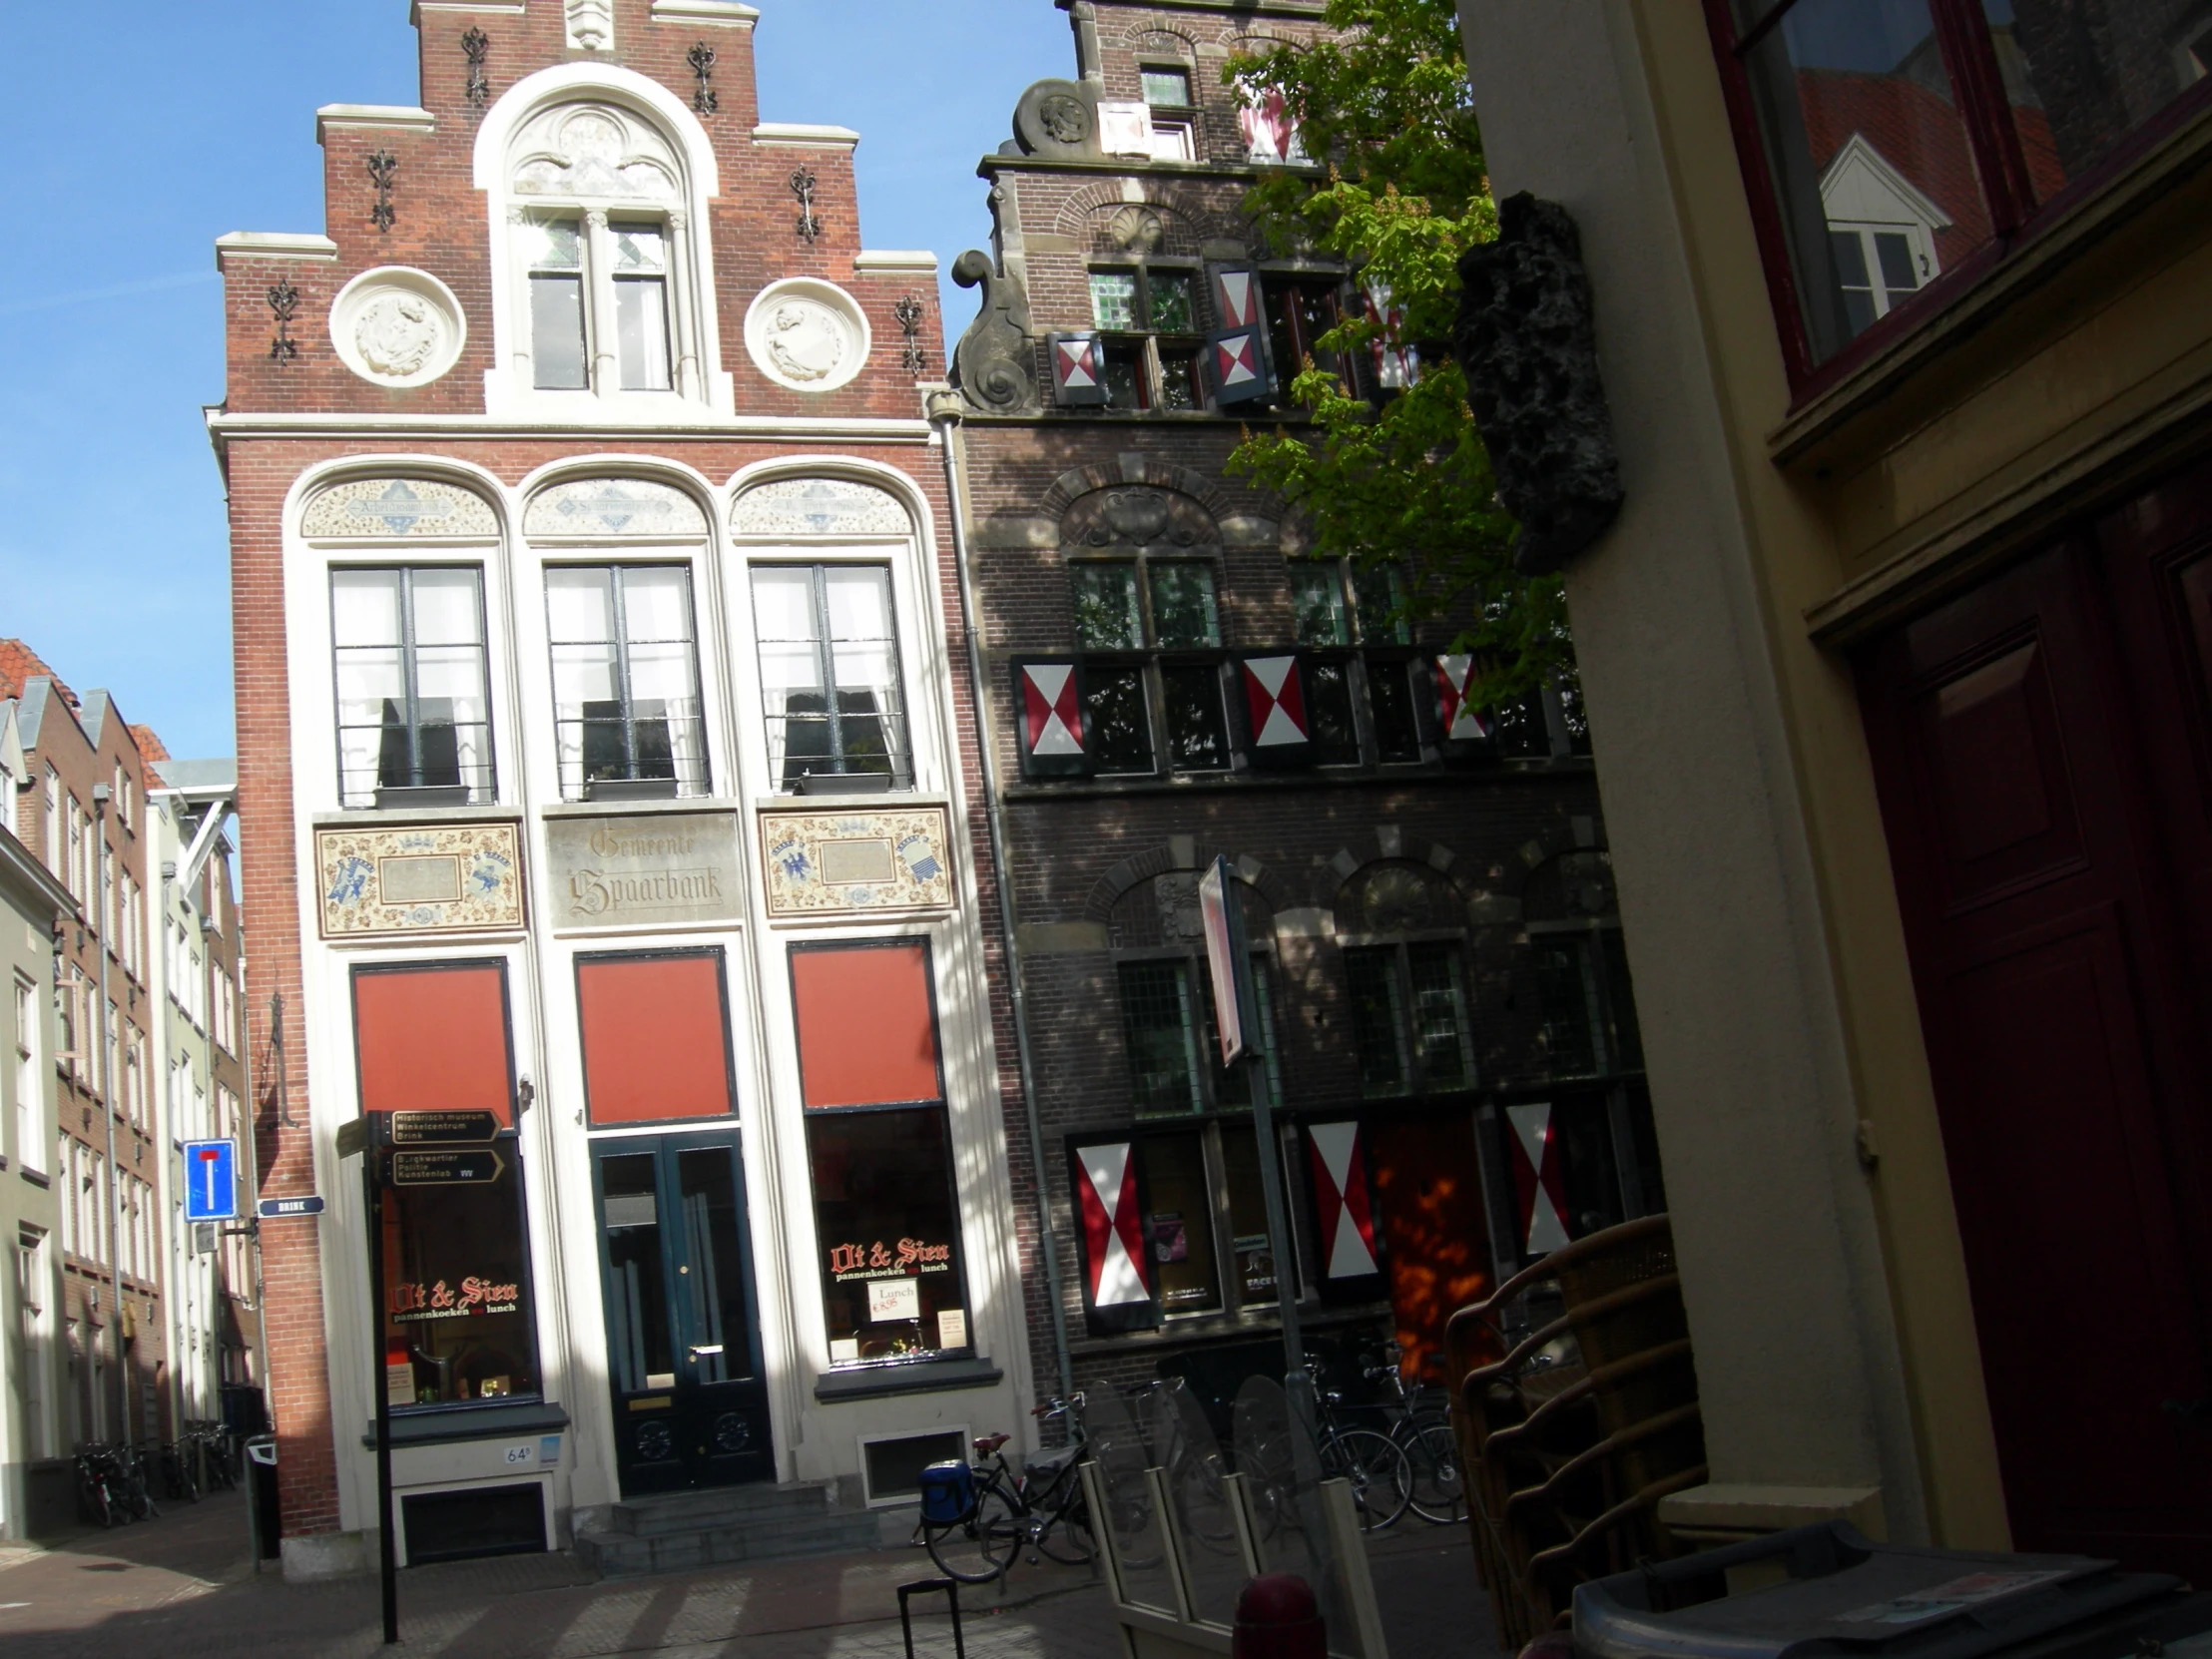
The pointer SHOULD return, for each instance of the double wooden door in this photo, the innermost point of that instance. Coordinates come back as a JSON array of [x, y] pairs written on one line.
[[2043, 750], [683, 1340]]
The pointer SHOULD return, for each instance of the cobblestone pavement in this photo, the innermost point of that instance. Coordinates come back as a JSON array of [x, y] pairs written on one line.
[[183, 1587]]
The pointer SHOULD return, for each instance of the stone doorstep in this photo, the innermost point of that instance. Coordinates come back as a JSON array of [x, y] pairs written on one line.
[[717, 1506], [1731, 1512]]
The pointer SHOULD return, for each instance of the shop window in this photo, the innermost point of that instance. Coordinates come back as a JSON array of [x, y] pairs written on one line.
[[1149, 316], [830, 678], [656, 1037], [878, 1141], [458, 1323], [1158, 624], [1890, 142], [626, 709], [415, 716]]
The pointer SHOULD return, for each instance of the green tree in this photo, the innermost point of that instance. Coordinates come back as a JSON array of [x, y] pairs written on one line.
[[1385, 99]]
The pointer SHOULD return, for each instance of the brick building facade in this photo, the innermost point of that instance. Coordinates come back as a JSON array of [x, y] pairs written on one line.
[[1172, 676], [601, 777]]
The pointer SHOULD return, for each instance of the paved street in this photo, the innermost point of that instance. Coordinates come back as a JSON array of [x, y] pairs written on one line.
[[183, 1587]]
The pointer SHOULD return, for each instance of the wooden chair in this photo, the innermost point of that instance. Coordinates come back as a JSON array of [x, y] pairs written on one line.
[[1574, 1403]]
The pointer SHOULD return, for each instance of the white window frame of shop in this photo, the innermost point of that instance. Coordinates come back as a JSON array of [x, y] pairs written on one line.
[[636, 158]]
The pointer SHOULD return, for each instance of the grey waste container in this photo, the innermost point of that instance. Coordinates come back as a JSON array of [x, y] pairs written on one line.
[[1825, 1592], [261, 1472]]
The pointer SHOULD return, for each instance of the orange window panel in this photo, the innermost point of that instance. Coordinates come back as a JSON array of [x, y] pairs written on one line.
[[434, 1039], [868, 1028], [656, 1038]]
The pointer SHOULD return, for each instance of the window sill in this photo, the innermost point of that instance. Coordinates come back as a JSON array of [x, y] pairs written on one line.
[[632, 809], [451, 1425], [37, 1178], [920, 1376], [1833, 411], [1422, 773], [374, 816]]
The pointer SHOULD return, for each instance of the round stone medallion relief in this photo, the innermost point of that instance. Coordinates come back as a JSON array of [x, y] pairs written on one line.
[[396, 327], [808, 335]]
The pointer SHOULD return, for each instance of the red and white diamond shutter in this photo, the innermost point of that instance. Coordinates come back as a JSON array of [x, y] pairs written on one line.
[[1342, 1206], [1048, 699], [1459, 723], [1118, 1288], [1078, 369], [1237, 359], [1237, 297], [1274, 702], [1538, 1179]]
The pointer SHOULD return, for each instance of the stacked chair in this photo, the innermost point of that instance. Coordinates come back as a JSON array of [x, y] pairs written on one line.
[[1574, 1401]]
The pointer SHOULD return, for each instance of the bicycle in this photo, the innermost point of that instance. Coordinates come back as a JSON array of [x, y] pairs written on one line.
[[137, 1499], [95, 1490], [1374, 1466], [1042, 1507], [1422, 1431], [179, 1478]]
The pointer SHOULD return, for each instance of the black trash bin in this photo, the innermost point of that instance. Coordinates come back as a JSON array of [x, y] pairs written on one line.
[[269, 1520], [1825, 1591]]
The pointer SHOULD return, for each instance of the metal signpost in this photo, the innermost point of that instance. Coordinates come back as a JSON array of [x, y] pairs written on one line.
[[1236, 1011], [405, 1149]]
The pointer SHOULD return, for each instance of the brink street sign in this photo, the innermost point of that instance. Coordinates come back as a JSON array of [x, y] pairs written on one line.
[[470, 1166], [277, 1209], [443, 1128]]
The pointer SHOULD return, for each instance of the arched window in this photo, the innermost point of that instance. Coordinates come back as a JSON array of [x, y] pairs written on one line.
[[605, 294]]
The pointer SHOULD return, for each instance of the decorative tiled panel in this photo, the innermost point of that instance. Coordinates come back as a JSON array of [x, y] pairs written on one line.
[[387, 509], [855, 863], [614, 507], [432, 878], [820, 507]]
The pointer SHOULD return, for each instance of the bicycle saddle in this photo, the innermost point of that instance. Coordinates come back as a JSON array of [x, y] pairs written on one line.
[[986, 1444]]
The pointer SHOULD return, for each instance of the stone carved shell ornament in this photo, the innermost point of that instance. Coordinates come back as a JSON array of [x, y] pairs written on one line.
[[397, 326], [808, 335]]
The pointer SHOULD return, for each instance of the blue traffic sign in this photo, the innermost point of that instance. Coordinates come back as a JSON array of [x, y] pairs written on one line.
[[276, 1209], [211, 1180]]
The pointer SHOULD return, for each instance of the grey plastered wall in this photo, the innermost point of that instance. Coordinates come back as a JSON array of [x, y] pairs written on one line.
[[1797, 1350]]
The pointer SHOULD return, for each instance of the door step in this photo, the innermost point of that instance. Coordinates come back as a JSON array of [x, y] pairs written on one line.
[[683, 1531]]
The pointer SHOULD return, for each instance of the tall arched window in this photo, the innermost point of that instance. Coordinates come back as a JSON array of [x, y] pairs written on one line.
[[605, 298]]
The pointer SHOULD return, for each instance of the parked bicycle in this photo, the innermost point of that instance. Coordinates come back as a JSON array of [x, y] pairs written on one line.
[[180, 1466], [1422, 1427], [111, 1486], [999, 1512]]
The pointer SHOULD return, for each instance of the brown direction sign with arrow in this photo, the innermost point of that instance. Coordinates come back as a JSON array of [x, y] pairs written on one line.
[[463, 1166], [443, 1128]]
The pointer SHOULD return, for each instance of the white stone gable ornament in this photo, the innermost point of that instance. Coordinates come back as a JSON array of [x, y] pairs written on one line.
[[591, 25], [399, 327], [592, 151], [806, 334]]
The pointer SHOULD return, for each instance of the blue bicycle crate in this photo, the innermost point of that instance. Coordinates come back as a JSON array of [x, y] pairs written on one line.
[[947, 1492]]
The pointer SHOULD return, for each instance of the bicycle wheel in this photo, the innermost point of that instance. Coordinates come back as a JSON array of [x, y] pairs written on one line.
[[977, 1549], [1433, 1456], [1066, 1536], [1381, 1477]]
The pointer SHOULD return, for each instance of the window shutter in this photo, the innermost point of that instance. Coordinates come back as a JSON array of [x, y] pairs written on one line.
[[1078, 369], [1237, 359], [435, 1038], [868, 1024], [1275, 701], [1120, 1287], [656, 1037], [1049, 697], [1460, 727], [1237, 297], [1540, 1181], [1343, 1209]]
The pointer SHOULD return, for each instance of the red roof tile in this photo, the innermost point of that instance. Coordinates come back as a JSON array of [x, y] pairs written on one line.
[[19, 665]]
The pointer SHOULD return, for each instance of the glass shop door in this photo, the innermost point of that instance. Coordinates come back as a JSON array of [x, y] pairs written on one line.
[[683, 1340]]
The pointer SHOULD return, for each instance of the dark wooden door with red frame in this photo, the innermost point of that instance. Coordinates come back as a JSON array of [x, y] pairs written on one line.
[[2022, 740]]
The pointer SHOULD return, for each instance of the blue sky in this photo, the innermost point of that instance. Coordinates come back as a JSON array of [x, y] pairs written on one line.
[[153, 131]]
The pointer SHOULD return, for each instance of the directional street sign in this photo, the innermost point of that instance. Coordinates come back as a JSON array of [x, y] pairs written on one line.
[[277, 1209], [466, 1166], [443, 1128], [211, 1180]]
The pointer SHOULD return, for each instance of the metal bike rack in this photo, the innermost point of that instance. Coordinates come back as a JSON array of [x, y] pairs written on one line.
[[930, 1586]]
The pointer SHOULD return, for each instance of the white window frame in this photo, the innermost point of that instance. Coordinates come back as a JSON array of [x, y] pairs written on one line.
[[695, 351], [30, 1092]]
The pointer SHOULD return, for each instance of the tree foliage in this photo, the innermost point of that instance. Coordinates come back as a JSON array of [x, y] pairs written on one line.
[[1385, 99]]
